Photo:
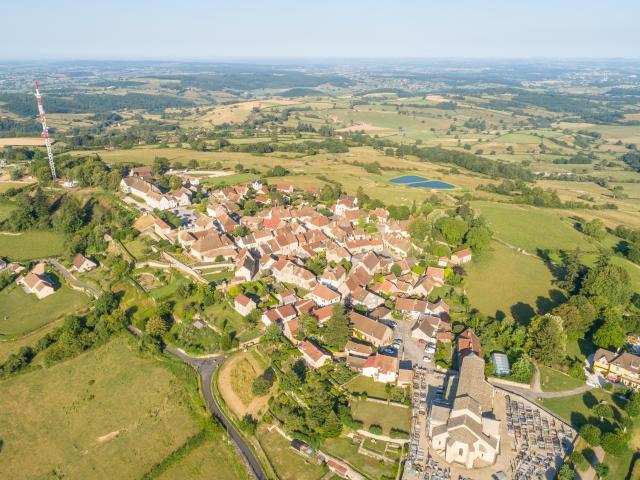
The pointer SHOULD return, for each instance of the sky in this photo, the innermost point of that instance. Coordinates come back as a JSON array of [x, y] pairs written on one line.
[[327, 29]]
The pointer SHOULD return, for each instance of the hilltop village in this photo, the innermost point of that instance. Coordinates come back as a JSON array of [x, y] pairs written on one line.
[[342, 282]]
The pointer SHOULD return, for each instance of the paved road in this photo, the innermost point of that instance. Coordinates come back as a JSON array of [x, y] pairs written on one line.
[[206, 367], [72, 279]]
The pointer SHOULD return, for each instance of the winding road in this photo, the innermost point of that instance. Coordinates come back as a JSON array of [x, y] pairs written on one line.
[[206, 367]]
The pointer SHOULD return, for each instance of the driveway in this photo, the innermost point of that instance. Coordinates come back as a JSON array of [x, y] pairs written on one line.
[[73, 281]]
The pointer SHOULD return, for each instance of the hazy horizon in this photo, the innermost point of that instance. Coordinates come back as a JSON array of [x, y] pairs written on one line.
[[283, 30]]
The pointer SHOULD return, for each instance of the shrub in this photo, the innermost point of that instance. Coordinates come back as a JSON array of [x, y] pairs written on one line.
[[397, 433], [375, 429]]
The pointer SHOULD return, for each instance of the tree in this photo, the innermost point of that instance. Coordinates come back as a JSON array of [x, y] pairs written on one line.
[[546, 341], [307, 326], [160, 166], [452, 229], [611, 334], [607, 284], [566, 472], [633, 405], [615, 443], [573, 271], [156, 327], [603, 410], [332, 426], [418, 229], [260, 386], [239, 168], [591, 434], [522, 370], [602, 470], [594, 228], [478, 238], [337, 329], [577, 316]]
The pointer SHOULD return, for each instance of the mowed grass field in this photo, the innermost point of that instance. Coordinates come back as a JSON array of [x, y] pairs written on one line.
[[21, 312], [368, 385], [287, 464], [31, 245], [503, 280], [532, 228], [553, 380], [387, 416], [105, 414]]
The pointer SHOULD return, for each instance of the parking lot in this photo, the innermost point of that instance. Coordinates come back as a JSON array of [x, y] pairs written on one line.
[[411, 349]]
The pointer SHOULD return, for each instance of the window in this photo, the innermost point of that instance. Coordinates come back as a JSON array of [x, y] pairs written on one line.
[[461, 452]]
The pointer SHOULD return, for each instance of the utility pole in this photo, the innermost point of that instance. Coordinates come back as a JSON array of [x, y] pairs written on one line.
[[45, 131]]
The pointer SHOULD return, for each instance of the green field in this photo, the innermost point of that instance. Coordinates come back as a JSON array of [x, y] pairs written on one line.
[[108, 413], [21, 312], [503, 280], [387, 416], [31, 245], [230, 179], [288, 464], [553, 380], [212, 459], [532, 228]]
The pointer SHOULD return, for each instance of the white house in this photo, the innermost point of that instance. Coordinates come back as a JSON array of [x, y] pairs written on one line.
[[244, 305], [83, 264], [323, 295], [382, 368]]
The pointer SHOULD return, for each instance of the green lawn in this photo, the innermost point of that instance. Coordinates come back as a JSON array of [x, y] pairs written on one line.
[[31, 245], [387, 416], [170, 288], [21, 312], [288, 464], [108, 413], [230, 179], [553, 380], [532, 228], [368, 385], [137, 248], [503, 280], [346, 449]]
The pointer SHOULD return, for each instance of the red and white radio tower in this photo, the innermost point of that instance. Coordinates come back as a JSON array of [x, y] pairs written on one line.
[[45, 131]]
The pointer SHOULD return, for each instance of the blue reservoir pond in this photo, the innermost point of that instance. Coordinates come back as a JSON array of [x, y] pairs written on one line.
[[415, 181]]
